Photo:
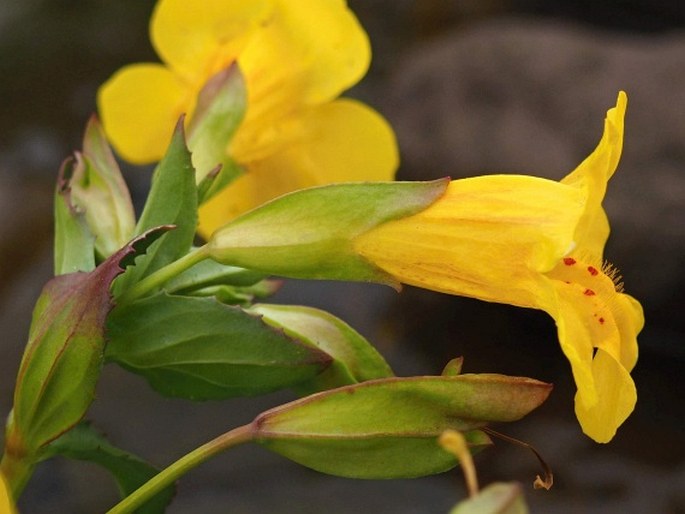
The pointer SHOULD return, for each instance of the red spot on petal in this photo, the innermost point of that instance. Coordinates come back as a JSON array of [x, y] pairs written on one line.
[[589, 292], [593, 271], [569, 261], [601, 321]]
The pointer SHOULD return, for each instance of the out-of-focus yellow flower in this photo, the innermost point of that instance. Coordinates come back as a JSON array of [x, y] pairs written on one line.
[[534, 243], [296, 56]]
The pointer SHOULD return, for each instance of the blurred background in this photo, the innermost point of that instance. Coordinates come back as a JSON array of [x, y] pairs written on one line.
[[471, 87]]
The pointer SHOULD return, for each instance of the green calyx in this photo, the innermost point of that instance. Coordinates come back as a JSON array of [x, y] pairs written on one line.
[[310, 233]]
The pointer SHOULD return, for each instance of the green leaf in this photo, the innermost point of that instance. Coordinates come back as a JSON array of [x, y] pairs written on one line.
[[200, 349], [84, 443], [388, 428], [99, 189], [354, 358], [74, 242], [220, 110], [172, 201], [63, 357], [497, 498], [309, 233]]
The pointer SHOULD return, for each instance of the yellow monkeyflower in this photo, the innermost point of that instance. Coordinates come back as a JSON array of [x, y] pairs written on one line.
[[296, 57], [534, 243]]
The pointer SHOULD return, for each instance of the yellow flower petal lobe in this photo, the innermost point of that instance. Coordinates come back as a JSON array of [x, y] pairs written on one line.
[[589, 295], [592, 176], [306, 55], [629, 319], [317, 45], [616, 399], [197, 39], [139, 107]]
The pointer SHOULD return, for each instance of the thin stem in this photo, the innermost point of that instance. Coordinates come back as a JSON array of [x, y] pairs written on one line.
[[168, 476], [163, 275], [539, 483]]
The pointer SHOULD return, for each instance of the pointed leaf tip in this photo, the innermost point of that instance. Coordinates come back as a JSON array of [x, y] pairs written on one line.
[[172, 201]]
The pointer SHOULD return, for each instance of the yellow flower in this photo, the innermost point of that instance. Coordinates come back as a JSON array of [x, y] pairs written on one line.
[[535, 243], [296, 56]]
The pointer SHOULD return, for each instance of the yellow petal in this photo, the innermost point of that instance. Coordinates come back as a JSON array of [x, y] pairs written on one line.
[[616, 399], [488, 237], [197, 39], [581, 329], [316, 46], [629, 319], [592, 176], [6, 503], [339, 141], [140, 106], [591, 315], [586, 294]]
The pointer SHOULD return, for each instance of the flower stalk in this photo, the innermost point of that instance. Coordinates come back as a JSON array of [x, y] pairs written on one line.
[[189, 461], [163, 275]]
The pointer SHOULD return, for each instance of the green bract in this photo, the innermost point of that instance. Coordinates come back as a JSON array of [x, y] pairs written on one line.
[[99, 189], [93, 209], [309, 233], [219, 111]]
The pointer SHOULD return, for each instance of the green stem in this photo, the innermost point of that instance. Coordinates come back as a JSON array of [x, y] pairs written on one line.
[[168, 476], [163, 275]]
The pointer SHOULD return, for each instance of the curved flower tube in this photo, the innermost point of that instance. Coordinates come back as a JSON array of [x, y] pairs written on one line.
[[296, 57], [534, 243]]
